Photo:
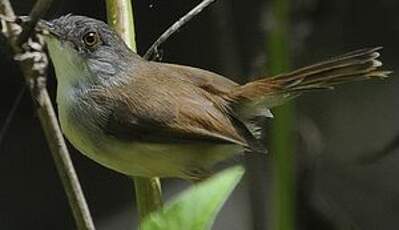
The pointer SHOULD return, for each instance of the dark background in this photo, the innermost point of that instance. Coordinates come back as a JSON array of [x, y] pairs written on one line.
[[347, 167]]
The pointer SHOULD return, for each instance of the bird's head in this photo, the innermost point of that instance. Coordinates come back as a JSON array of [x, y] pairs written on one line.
[[84, 48]]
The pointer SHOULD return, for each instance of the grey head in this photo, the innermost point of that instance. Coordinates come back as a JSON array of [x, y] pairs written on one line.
[[88, 49]]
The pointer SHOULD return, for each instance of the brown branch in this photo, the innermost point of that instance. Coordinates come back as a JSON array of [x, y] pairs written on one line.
[[152, 52], [33, 62]]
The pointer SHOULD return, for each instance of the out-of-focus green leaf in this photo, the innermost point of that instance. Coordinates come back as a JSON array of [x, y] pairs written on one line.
[[197, 207]]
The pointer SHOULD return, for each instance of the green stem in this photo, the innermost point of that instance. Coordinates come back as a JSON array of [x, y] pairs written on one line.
[[282, 129], [148, 190], [120, 17], [148, 195]]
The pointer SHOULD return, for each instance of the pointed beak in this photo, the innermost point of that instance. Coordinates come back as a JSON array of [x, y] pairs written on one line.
[[47, 28]]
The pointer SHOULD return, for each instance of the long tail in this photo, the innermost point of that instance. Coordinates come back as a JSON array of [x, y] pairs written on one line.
[[354, 66]]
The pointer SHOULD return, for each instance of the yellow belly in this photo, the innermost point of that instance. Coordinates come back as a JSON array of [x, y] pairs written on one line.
[[144, 159]]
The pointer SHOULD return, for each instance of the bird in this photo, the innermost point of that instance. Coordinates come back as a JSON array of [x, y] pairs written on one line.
[[154, 119]]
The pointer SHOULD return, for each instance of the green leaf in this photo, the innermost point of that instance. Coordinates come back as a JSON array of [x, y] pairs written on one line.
[[196, 207]]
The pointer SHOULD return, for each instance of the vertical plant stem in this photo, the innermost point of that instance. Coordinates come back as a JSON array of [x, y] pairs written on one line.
[[120, 17], [282, 129], [148, 195], [148, 190]]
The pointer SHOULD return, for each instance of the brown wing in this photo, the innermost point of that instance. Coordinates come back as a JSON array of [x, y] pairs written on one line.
[[211, 82], [162, 103]]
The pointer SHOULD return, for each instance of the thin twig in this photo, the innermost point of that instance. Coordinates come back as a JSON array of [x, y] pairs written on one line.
[[11, 114], [33, 62], [38, 10], [175, 27]]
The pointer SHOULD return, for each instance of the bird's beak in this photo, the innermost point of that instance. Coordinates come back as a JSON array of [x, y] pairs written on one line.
[[47, 28], [43, 26]]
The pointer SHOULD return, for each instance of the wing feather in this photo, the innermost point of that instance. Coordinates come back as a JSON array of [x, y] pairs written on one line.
[[163, 103]]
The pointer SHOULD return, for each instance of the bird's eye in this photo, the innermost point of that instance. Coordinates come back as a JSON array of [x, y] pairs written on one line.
[[91, 39]]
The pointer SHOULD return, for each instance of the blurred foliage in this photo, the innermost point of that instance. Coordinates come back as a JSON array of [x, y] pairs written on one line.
[[197, 207]]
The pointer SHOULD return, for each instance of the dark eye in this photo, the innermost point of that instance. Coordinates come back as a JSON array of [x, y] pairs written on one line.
[[91, 39]]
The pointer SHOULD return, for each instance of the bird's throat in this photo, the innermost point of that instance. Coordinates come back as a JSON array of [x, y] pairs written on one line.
[[69, 66]]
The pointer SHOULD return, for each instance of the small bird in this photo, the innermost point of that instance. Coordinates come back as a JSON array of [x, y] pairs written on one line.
[[151, 119]]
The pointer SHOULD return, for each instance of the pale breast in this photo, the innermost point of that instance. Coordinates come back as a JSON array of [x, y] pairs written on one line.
[[76, 121], [80, 121]]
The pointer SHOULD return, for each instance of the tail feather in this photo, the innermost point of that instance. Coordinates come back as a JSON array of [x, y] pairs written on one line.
[[362, 56], [353, 66]]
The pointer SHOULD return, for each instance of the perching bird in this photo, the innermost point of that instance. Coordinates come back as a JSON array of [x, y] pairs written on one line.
[[145, 118]]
